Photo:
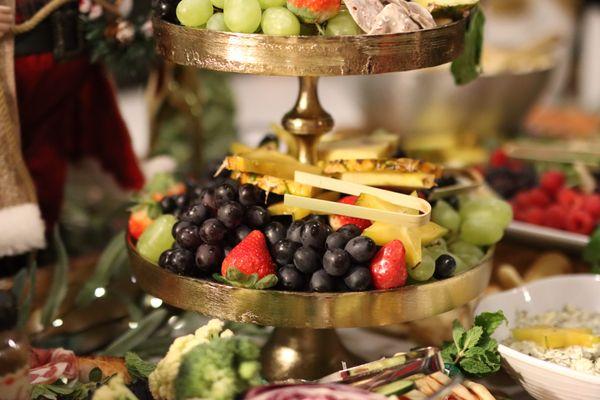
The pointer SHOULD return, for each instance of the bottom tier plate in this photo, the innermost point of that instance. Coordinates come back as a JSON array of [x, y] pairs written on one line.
[[311, 310]]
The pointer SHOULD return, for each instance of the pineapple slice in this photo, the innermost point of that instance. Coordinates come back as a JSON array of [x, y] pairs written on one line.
[[383, 233], [271, 184], [553, 338], [401, 165], [268, 162], [430, 232], [239, 148], [365, 147], [410, 180], [297, 212]]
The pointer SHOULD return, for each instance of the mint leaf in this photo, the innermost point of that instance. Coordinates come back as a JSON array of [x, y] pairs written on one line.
[[138, 368], [490, 321], [476, 366], [474, 352], [449, 352], [458, 333], [472, 337], [467, 66]]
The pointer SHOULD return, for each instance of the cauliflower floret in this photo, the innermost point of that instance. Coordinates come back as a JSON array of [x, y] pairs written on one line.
[[115, 389], [162, 379]]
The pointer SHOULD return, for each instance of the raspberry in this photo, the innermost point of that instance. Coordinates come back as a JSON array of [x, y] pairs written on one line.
[[591, 204], [518, 212], [534, 215], [555, 217], [538, 198], [552, 181], [522, 200], [498, 158], [579, 222], [568, 198]]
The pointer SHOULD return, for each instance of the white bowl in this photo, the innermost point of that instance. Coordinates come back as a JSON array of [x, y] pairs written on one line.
[[541, 379]]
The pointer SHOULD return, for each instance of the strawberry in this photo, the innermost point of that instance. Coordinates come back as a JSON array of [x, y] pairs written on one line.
[[249, 264], [138, 222], [337, 221], [388, 267], [552, 181], [314, 11]]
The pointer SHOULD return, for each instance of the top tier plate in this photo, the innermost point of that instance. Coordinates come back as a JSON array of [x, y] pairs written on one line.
[[309, 55]]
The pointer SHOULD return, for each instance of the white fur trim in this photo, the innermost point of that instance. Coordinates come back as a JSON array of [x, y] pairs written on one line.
[[21, 229]]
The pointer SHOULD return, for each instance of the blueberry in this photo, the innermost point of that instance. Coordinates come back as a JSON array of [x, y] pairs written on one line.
[[445, 265], [179, 226], [208, 199], [290, 278], [336, 262], [361, 249], [274, 232], [180, 201], [167, 204], [231, 214], [313, 217], [320, 281], [209, 258], [249, 194], [337, 240], [196, 214], [189, 237], [294, 232], [212, 231], [283, 251], [307, 260], [269, 139], [358, 279], [224, 193], [257, 216], [164, 256], [180, 261], [240, 234], [350, 230], [313, 234]]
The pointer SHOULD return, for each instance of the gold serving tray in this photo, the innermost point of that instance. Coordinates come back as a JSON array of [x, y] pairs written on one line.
[[311, 310], [309, 55]]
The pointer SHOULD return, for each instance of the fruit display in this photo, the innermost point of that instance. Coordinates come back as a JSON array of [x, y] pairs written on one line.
[[554, 196], [241, 232], [311, 17]]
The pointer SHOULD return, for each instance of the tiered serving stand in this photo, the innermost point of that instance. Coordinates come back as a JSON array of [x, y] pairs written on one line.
[[304, 343]]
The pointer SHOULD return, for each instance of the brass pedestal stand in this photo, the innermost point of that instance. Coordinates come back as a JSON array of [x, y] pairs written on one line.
[[304, 343]]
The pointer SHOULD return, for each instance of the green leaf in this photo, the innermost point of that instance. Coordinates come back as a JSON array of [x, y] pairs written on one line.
[[133, 337], [490, 321], [474, 352], [112, 258], [472, 337], [467, 66], [138, 368], [266, 282], [60, 282], [449, 352], [458, 333], [475, 366], [95, 375]]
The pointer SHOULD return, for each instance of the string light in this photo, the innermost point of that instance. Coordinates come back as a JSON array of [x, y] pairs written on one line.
[[99, 292], [133, 325], [57, 322], [155, 302]]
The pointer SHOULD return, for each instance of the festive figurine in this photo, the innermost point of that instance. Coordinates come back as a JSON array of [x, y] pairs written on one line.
[[66, 103]]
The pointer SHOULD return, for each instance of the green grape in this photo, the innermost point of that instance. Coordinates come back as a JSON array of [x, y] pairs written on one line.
[[446, 216], [157, 238], [264, 4], [342, 24], [218, 3], [280, 21], [461, 265], [217, 23], [194, 12], [481, 228], [462, 247], [424, 271], [501, 209], [242, 15]]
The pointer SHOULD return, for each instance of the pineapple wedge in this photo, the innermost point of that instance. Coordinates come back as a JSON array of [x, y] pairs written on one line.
[[239, 148], [365, 147], [411, 180], [402, 165], [297, 212], [271, 184], [268, 162], [430, 232], [554, 338], [383, 233]]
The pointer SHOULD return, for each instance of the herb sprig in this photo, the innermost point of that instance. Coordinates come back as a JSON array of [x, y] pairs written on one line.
[[474, 352]]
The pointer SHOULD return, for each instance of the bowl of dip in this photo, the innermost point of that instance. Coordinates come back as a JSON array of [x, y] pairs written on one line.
[[547, 371]]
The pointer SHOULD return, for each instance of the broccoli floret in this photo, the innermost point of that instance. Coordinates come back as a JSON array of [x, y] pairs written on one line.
[[218, 370]]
